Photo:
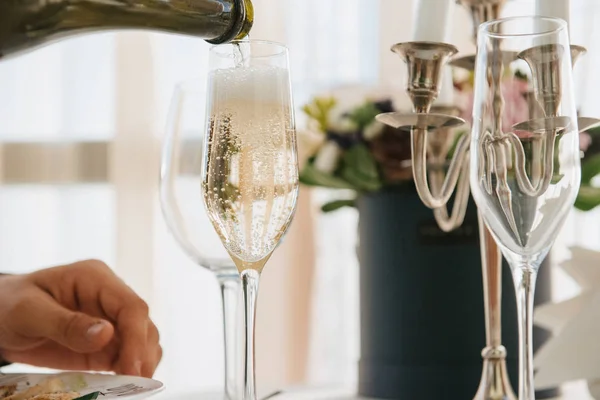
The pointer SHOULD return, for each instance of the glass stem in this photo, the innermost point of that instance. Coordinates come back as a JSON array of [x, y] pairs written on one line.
[[230, 289], [524, 277], [250, 281]]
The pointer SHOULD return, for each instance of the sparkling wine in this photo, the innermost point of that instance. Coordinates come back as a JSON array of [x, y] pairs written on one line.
[[251, 180]]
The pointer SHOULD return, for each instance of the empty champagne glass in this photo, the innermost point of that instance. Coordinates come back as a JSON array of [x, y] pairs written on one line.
[[181, 202], [525, 169], [250, 175]]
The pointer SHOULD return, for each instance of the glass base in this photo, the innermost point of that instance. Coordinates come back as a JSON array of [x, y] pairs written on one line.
[[317, 393]]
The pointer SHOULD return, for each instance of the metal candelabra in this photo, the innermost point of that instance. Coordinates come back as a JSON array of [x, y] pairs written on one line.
[[431, 129]]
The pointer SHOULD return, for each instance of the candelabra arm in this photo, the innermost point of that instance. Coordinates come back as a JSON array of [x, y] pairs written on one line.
[[419, 164], [495, 73], [543, 167], [461, 199], [503, 190]]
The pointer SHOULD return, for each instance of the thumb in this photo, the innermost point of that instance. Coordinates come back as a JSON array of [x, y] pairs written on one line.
[[75, 330]]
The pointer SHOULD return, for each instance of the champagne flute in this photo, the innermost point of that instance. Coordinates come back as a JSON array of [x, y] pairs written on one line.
[[250, 174], [525, 174], [181, 199]]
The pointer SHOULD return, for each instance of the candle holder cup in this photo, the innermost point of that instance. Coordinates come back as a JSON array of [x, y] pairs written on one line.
[[425, 61]]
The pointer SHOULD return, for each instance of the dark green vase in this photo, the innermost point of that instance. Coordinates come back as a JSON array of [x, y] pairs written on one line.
[[421, 300]]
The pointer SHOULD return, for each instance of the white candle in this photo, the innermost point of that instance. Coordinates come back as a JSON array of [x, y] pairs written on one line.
[[433, 21], [554, 8], [446, 96]]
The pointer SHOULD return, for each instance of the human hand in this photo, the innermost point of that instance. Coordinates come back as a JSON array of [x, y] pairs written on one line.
[[77, 317]]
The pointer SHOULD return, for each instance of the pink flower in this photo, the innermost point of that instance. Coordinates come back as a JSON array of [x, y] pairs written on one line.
[[585, 140], [516, 109], [515, 104]]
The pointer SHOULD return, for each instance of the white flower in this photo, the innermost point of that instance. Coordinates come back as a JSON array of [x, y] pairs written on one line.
[[340, 124], [328, 157], [373, 130], [309, 143]]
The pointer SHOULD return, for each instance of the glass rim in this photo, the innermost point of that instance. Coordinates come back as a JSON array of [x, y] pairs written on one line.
[[484, 28], [261, 42], [197, 85]]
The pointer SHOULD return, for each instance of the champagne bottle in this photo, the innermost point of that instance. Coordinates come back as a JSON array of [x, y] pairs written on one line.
[[29, 24]]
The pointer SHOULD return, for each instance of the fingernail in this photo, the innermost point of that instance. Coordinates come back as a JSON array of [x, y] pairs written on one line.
[[95, 329], [138, 367]]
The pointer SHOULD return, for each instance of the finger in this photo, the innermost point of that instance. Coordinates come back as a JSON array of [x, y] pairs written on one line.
[[41, 317], [154, 351], [132, 325], [121, 305], [76, 286], [157, 358], [55, 356]]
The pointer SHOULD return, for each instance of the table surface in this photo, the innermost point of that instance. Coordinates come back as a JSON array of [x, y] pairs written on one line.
[[291, 394], [294, 394]]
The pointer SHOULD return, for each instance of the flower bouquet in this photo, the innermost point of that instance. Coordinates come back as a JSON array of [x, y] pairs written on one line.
[[349, 149]]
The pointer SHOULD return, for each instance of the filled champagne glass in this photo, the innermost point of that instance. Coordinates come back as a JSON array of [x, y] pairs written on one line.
[[525, 166], [250, 174]]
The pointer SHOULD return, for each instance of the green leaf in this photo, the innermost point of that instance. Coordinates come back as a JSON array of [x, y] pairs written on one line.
[[588, 198], [593, 131], [319, 110], [311, 176], [556, 178], [590, 167], [360, 169], [337, 204], [91, 396], [455, 144], [364, 115], [521, 75]]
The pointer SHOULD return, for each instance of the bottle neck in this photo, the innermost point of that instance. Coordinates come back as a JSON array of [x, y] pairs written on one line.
[[243, 21], [28, 24], [217, 21]]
